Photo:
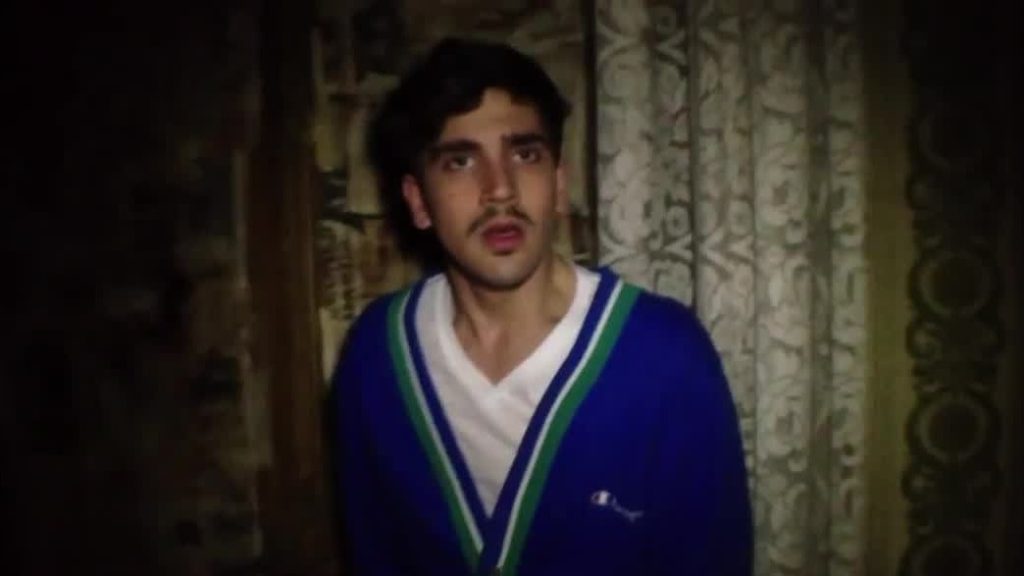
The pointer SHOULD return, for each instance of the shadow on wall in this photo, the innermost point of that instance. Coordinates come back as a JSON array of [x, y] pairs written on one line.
[[128, 421]]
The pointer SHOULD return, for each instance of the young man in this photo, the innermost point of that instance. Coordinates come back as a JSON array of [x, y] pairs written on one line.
[[515, 413]]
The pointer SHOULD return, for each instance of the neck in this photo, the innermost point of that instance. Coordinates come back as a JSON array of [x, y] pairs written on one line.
[[490, 315]]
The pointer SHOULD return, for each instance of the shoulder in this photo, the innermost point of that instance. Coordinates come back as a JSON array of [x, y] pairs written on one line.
[[370, 329], [664, 322], [666, 337], [665, 340], [374, 319], [365, 348]]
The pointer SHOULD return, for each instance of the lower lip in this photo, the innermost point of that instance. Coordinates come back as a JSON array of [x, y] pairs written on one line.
[[504, 240]]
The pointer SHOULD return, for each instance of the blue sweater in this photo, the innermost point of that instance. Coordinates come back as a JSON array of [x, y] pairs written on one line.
[[631, 465]]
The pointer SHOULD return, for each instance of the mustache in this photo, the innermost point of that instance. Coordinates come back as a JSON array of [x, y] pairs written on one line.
[[492, 212]]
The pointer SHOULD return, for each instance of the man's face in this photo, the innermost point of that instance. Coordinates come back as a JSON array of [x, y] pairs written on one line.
[[492, 190]]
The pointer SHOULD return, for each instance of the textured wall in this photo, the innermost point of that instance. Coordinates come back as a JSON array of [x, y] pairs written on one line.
[[132, 424], [944, 238], [958, 188]]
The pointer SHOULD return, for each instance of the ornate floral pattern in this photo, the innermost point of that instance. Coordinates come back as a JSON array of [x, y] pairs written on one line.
[[729, 163], [956, 334], [643, 124]]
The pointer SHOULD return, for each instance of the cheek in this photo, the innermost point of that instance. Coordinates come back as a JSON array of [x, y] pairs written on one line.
[[540, 192], [452, 212]]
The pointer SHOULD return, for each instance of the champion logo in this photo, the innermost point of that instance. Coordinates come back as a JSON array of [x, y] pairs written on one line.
[[605, 499]]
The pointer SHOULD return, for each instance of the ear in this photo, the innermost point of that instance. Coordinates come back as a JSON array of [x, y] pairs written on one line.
[[413, 194], [562, 203]]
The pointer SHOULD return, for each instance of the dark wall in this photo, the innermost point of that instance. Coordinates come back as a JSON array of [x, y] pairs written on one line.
[[133, 433], [963, 189]]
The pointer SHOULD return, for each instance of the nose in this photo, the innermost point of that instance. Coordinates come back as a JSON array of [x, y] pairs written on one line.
[[499, 182]]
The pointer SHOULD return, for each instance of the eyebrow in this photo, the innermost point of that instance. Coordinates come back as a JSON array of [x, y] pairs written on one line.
[[451, 147], [463, 145], [527, 138]]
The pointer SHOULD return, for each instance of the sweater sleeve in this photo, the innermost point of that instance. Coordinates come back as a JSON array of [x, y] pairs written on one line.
[[704, 526], [367, 539]]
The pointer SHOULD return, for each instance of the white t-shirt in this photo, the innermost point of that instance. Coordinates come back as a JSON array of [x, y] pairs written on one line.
[[488, 419]]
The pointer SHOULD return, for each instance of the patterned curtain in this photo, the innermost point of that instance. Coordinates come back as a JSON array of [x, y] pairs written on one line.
[[729, 167]]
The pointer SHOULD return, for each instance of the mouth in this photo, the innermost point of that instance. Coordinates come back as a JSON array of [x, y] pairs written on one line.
[[503, 237]]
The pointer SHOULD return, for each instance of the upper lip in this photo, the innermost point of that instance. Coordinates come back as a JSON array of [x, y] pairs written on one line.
[[501, 226]]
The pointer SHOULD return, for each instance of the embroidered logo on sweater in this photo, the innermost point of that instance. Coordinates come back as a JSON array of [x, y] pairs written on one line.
[[605, 499]]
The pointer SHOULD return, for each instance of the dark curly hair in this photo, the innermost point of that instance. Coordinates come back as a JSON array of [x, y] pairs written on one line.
[[449, 80]]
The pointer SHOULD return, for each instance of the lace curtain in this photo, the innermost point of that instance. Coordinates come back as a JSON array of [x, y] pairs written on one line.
[[730, 177]]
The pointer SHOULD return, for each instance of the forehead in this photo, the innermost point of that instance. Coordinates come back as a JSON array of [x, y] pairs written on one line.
[[497, 115]]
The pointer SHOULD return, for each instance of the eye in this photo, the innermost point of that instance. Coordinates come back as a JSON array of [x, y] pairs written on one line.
[[528, 154], [457, 162]]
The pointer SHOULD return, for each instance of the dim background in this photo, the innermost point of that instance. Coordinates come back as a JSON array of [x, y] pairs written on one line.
[[190, 229]]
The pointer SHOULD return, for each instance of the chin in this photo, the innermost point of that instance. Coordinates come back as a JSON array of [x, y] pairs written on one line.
[[503, 280], [500, 275]]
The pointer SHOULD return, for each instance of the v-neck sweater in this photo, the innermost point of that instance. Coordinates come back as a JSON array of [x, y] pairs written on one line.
[[489, 419], [631, 463]]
